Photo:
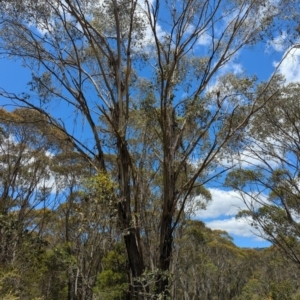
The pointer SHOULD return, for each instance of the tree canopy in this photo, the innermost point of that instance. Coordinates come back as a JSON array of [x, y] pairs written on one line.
[[144, 80]]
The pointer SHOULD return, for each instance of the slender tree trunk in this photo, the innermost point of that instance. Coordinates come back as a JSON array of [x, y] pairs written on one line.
[[165, 255], [134, 254], [166, 231]]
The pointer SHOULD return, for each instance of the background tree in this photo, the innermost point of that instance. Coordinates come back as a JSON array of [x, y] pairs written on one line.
[[26, 201], [271, 187], [47, 225], [24, 173], [82, 227], [209, 265]]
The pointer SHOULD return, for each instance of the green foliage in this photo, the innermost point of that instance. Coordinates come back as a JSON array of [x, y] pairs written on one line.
[[252, 291], [100, 188], [9, 280], [238, 179], [162, 138], [282, 290], [112, 283]]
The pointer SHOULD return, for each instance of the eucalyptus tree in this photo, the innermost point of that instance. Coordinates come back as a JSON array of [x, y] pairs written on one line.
[[25, 183], [24, 172], [81, 229], [25, 199], [48, 203], [107, 61], [209, 265], [271, 187]]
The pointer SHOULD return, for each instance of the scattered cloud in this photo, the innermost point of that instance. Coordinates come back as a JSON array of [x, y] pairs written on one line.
[[8, 148], [224, 203], [289, 67], [204, 39], [278, 43], [256, 154], [231, 67], [238, 227], [145, 42], [221, 211]]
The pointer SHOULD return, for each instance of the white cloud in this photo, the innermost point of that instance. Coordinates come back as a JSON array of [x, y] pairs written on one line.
[[223, 209], [224, 203], [278, 43], [8, 148], [239, 227], [149, 39], [290, 65], [144, 43], [256, 154], [204, 39], [230, 67]]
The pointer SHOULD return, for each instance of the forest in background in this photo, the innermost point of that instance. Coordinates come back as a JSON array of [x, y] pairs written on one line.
[[132, 111], [60, 237], [67, 244]]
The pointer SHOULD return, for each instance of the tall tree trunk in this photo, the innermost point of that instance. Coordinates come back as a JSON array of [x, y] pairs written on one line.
[[134, 254], [169, 182], [166, 244]]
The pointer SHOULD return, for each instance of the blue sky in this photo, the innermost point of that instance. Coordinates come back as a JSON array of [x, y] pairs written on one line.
[[260, 61]]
